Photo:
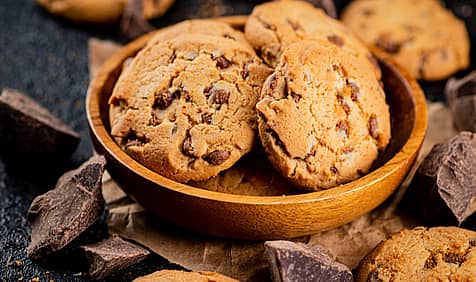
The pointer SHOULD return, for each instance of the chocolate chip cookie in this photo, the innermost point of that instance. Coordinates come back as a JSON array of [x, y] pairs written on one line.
[[199, 26], [185, 106], [322, 115], [425, 38], [273, 26], [421, 254]]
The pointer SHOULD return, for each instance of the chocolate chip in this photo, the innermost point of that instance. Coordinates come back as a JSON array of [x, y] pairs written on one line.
[[472, 242], [163, 99], [344, 104], [187, 147], [219, 96], [337, 40], [207, 118], [172, 57], [392, 47], [217, 157], [354, 91], [133, 139], [296, 97], [373, 127], [154, 120], [222, 62], [228, 36], [333, 169], [454, 258], [294, 25], [373, 276], [63, 213], [367, 12], [343, 127], [430, 262]]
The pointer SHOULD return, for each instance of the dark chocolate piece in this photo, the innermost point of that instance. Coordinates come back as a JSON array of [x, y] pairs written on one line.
[[133, 23], [62, 214], [461, 97], [111, 255], [29, 131], [443, 190], [291, 261], [327, 5]]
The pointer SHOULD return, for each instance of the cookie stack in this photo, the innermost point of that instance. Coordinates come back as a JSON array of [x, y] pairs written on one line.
[[193, 101]]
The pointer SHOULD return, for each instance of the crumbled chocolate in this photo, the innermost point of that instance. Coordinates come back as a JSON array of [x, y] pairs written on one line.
[[291, 261], [62, 214], [111, 255], [443, 190], [461, 97], [217, 157], [30, 132]]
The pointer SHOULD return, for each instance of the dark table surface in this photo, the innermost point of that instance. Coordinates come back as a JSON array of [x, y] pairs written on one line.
[[47, 58]]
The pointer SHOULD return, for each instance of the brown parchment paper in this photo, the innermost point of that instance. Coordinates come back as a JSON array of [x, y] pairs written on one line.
[[245, 260]]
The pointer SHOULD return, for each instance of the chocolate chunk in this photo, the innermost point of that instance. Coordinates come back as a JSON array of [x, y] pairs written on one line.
[[164, 98], [443, 190], [327, 5], [219, 96], [207, 118], [217, 157], [354, 91], [291, 261], [373, 127], [388, 45], [461, 97], [187, 147], [30, 132], [111, 255], [343, 128], [222, 62], [296, 97], [337, 40], [62, 214], [133, 23]]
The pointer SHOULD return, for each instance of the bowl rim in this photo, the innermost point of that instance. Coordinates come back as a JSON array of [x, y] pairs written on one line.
[[406, 153]]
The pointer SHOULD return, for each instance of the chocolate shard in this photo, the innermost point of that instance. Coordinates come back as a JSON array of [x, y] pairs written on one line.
[[327, 5], [443, 190], [29, 131], [461, 97], [62, 214], [290, 261], [111, 255], [133, 23]]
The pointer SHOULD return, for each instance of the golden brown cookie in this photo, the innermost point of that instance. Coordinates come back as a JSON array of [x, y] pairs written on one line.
[[101, 11], [421, 254], [199, 26], [273, 26], [322, 115], [425, 38], [184, 276], [185, 107]]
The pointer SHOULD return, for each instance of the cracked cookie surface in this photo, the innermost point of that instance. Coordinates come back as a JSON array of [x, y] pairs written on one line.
[[275, 25], [185, 107], [322, 115], [421, 254], [425, 38]]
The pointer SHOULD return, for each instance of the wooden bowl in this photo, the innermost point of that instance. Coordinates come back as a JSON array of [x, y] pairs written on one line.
[[262, 217]]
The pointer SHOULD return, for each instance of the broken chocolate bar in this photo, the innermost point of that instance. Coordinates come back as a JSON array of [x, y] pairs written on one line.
[[327, 5], [112, 254], [28, 130], [461, 97], [291, 261], [62, 214], [443, 190], [133, 23]]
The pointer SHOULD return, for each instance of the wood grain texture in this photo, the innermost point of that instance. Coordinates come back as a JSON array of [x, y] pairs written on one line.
[[263, 217]]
